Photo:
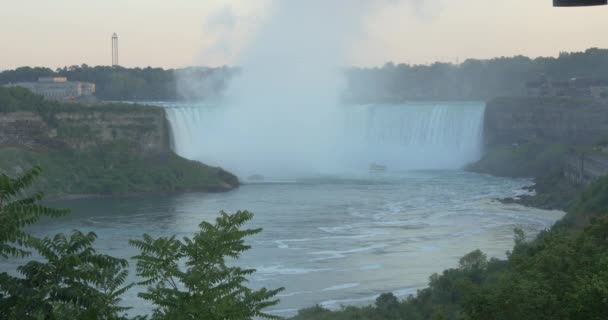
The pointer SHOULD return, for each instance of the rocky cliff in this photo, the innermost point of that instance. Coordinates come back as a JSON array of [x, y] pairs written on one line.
[[143, 129], [567, 121], [584, 168], [99, 149], [553, 140]]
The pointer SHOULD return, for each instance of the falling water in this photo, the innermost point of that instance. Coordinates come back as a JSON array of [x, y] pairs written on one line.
[[416, 136]]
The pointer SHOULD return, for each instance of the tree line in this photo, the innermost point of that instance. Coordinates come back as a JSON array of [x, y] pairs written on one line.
[[135, 84], [474, 79]]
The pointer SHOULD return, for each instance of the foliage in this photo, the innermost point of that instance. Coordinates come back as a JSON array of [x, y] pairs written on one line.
[[562, 275], [471, 80], [593, 202], [19, 99], [71, 282], [205, 287], [137, 84], [18, 210], [114, 169], [93, 166], [392, 83]]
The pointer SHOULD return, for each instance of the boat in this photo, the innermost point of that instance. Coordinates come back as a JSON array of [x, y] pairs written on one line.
[[255, 177], [374, 167]]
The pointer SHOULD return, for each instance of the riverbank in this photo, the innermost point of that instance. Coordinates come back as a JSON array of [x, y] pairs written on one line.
[[111, 170], [545, 138], [542, 162]]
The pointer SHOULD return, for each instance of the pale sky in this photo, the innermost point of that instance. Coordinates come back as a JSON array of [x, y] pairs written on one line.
[[179, 33]]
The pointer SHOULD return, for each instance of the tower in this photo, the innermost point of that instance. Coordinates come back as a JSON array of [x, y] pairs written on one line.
[[114, 50]]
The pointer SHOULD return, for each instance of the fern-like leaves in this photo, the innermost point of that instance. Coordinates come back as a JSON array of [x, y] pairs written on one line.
[[190, 279]]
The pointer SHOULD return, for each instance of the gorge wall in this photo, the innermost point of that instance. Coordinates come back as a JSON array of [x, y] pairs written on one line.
[[97, 150], [142, 129], [569, 121], [534, 137]]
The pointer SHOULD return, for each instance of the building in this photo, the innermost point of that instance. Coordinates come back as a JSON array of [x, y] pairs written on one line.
[[59, 89]]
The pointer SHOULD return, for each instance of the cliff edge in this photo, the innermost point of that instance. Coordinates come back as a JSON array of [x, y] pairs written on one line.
[[97, 149]]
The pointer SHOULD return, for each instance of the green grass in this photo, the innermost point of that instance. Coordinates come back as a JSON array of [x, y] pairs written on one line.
[[110, 170]]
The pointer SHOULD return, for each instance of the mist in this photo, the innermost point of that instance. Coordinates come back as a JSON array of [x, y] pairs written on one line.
[[282, 117]]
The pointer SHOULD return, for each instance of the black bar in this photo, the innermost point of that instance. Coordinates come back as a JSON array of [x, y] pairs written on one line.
[[579, 3]]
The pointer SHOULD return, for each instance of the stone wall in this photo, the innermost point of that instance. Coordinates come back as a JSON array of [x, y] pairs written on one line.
[[143, 129], [545, 120]]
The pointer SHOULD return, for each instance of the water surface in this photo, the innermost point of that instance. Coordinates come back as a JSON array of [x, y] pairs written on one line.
[[330, 241]]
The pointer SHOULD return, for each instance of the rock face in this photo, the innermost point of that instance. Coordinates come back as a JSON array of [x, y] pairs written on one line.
[[534, 135], [144, 130], [101, 150], [585, 168], [545, 120]]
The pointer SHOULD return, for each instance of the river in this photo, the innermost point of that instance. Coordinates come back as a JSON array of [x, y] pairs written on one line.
[[329, 241]]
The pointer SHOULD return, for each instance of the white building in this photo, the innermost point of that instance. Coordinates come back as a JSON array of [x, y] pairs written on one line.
[[59, 89]]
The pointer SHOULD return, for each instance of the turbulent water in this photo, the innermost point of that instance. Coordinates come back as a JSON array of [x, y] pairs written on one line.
[[331, 241], [401, 137]]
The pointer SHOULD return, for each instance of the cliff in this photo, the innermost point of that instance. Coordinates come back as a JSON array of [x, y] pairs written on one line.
[[99, 149], [553, 140], [568, 121], [531, 136], [143, 129]]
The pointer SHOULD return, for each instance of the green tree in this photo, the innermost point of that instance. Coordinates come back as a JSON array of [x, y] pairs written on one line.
[[205, 286], [18, 210], [69, 281]]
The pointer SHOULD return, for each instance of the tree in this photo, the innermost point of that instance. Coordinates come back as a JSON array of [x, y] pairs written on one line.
[[388, 306], [205, 286], [17, 210], [70, 281]]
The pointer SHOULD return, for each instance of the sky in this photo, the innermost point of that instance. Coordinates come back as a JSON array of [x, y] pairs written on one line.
[[180, 33]]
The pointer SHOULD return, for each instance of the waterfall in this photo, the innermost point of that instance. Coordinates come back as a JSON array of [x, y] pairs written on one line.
[[414, 136], [417, 136]]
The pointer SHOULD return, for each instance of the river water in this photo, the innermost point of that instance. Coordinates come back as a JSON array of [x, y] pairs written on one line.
[[329, 241], [346, 235]]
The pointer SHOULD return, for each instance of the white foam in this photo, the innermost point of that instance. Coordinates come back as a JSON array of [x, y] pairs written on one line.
[[283, 243], [291, 294], [281, 270], [371, 267], [342, 286], [337, 229], [283, 311], [334, 254]]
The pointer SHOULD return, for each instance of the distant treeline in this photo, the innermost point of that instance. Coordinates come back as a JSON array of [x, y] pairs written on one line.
[[471, 80], [140, 84]]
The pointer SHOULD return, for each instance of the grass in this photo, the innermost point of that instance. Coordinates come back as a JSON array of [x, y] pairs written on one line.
[[112, 171]]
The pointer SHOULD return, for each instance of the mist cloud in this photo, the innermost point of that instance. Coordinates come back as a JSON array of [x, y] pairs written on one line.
[[282, 116]]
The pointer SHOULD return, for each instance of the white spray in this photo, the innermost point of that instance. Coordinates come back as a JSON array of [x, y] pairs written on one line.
[[282, 117]]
